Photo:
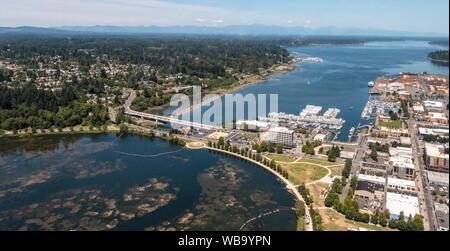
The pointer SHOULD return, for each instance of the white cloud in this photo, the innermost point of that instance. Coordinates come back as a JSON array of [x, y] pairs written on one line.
[[218, 21], [200, 20]]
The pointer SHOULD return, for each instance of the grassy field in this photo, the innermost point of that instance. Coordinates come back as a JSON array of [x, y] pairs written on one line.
[[393, 124], [318, 162], [304, 173], [280, 158], [336, 170]]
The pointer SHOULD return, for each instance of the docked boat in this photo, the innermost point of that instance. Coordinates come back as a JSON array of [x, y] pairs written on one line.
[[371, 84]]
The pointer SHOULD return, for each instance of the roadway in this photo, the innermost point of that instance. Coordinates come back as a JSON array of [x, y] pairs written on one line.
[[426, 201]]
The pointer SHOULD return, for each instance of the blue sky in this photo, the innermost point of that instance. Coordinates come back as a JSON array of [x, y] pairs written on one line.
[[400, 15]]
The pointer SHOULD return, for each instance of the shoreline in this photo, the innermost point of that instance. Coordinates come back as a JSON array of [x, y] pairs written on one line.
[[289, 185], [248, 80]]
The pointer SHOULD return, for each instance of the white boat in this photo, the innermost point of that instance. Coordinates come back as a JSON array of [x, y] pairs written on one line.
[[371, 84]]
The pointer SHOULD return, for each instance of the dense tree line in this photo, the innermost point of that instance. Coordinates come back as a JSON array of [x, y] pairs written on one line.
[[29, 106], [439, 55]]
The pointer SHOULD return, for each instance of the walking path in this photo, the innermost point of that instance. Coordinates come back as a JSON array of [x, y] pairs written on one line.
[[327, 179], [289, 184]]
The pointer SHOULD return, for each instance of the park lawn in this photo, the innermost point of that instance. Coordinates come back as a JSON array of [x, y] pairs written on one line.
[[334, 221], [370, 227], [304, 173], [393, 124], [280, 158], [315, 190], [336, 170], [317, 162]]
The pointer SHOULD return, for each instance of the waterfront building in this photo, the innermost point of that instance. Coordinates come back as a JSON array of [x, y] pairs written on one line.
[[282, 136]]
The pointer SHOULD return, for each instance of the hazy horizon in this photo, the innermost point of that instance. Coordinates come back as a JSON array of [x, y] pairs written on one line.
[[417, 16]]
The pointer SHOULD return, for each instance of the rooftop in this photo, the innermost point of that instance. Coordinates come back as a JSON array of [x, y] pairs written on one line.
[[400, 182], [397, 203], [371, 178], [435, 150]]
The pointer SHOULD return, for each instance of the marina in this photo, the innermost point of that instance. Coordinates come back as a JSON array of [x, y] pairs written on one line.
[[309, 117], [379, 106]]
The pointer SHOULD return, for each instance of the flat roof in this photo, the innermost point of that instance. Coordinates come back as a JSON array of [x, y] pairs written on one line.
[[372, 178], [432, 131], [281, 130], [401, 182], [407, 204], [435, 150], [440, 178]]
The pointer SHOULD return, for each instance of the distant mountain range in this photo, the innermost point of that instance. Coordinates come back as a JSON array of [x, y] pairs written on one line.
[[227, 30]]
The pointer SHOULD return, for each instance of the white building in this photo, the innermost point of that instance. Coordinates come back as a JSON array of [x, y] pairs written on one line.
[[397, 203], [320, 137], [282, 136], [433, 106], [370, 178], [252, 125], [441, 179], [432, 131], [402, 186]]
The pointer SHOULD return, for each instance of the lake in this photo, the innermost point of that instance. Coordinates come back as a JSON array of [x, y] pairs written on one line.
[[102, 182]]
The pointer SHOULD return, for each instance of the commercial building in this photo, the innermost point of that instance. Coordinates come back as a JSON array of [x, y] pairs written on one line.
[[432, 131], [435, 158], [433, 106], [440, 179], [320, 137], [442, 213], [282, 136], [401, 186], [438, 118], [370, 192], [394, 132], [252, 125], [397, 203]]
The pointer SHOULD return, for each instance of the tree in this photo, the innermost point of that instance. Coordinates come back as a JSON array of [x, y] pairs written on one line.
[[123, 132], [382, 219], [332, 156], [374, 155], [280, 149], [221, 141]]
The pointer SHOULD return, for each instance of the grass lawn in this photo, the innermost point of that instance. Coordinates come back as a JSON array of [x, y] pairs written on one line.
[[315, 191], [304, 173], [334, 221], [393, 124], [280, 158], [318, 162], [336, 170], [364, 225]]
